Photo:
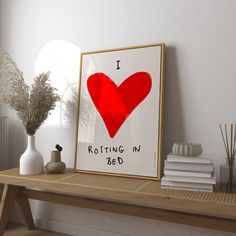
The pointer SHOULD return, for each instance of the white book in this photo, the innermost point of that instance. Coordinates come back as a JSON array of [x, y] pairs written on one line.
[[189, 166], [175, 158], [211, 180], [189, 189], [187, 173], [186, 185]]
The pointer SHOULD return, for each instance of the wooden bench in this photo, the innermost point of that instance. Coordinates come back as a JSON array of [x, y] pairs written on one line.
[[137, 197]]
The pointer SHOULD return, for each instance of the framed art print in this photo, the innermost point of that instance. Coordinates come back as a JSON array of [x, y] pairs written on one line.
[[120, 106]]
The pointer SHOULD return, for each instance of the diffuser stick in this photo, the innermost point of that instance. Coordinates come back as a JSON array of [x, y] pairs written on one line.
[[234, 140], [227, 141], [223, 138], [231, 141]]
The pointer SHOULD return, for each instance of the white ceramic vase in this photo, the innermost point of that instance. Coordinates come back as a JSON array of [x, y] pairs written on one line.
[[31, 161]]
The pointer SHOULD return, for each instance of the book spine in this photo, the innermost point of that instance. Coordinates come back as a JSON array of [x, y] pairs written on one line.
[[174, 158], [186, 185], [187, 173], [188, 189], [206, 168], [190, 179]]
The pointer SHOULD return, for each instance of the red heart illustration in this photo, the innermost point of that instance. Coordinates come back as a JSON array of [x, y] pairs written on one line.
[[115, 103]]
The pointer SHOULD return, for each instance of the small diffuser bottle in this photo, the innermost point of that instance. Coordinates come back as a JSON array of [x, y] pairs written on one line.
[[56, 165]]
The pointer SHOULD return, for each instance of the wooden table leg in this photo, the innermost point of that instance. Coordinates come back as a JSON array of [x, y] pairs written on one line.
[[9, 196], [24, 206], [7, 201]]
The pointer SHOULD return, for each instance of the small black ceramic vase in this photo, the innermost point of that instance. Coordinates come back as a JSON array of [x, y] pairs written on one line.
[[56, 165]]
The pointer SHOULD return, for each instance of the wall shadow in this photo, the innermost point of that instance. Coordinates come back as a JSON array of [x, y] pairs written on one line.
[[174, 129], [16, 138]]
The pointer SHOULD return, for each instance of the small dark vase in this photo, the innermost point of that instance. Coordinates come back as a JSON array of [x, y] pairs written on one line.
[[55, 165]]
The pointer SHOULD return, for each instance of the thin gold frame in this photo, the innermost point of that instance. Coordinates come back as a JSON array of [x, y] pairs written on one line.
[[160, 123]]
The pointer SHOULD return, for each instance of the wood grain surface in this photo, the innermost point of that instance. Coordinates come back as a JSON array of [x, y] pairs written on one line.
[[136, 197]]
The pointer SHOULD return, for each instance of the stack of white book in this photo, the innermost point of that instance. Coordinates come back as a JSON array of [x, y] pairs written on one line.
[[188, 173]]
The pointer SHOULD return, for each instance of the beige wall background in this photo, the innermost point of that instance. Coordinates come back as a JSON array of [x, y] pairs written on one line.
[[199, 82]]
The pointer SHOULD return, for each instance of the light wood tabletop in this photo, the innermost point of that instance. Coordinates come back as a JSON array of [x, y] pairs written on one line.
[[137, 197]]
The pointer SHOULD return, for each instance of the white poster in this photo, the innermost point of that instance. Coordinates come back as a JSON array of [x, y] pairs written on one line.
[[120, 112]]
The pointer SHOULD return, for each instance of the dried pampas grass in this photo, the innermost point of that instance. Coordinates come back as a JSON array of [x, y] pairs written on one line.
[[32, 104]]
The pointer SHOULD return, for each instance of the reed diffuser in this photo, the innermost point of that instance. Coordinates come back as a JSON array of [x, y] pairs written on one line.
[[229, 140]]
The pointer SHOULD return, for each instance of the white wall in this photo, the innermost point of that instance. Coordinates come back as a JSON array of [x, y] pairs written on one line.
[[199, 82]]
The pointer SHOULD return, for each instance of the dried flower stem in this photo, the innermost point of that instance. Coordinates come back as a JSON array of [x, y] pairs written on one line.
[[32, 105]]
